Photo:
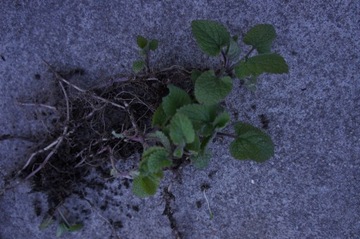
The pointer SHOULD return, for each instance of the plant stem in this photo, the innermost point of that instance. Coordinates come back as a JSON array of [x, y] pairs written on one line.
[[226, 134]]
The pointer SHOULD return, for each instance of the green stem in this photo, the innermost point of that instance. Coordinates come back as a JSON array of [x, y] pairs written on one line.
[[227, 135]]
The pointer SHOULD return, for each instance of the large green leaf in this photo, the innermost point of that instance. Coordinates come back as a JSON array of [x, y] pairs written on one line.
[[175, 99], [210, 89], [251, 143], [260, 37], [210, 35], [254, 66], [162, 138], [144, 186], [181, 130], [199, 114]]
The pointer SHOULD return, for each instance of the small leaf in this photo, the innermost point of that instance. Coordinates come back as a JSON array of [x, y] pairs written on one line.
[[159, 117], [210, 35], [138, 66], [61, 229], [251, 143], [175, 99], [181, 130], [234, 50], [158, 160], [47, 221], [260, 37], [254, 66], [201, 160], [179, 151], [75, 227], [144, 186], [210, 89], [221, 120], [153, 45], [141, 42], [162, 138]]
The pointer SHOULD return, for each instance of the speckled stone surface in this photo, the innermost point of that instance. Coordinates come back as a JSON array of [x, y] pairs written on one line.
[[309, 189]]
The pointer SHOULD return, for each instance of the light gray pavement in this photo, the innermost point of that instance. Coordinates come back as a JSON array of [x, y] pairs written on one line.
[[309, 189]]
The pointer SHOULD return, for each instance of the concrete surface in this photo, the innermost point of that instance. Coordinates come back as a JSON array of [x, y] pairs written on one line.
[[310, 189]]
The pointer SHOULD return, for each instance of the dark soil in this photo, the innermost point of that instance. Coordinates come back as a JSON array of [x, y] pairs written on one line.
[[89, 143]]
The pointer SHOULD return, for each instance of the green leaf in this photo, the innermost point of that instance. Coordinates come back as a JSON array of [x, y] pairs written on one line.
[[159, 117], [194, 147], [210, 89], [162, 138], [199, 114], [234, 50], [75, 227], [175, 99], [254, 66], [153, 45], [141, 42], [221, 120], [260, 37], [201, 160], [179, 151], [195, 74], [251, 143], [158, 160], [138, 66], [144, 186], [181, 130], [47, 221], [211, 36], [61, 229]]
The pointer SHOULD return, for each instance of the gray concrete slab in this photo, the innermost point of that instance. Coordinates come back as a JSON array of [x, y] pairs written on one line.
[[309, 189]]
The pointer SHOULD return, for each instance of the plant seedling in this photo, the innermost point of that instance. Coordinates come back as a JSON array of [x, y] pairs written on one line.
[[184, 124]]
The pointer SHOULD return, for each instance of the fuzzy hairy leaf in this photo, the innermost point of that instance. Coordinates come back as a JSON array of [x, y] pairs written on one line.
[[141, 42], [138, 66], [194, 147], [175, 99], [181, 130], [251, 143], [211, 36], [260, 37], [159, 117], [199, 114], [144, 186], [162, 138], [195, 74], [256, 65], [158, 160], [210, 89]]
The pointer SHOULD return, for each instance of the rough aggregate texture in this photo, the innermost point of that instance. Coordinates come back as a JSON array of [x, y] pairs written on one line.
[[309, 189]]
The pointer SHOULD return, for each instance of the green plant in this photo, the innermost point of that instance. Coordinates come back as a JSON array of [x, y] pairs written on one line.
[[145, 46], [184, 124], [63, 224]]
